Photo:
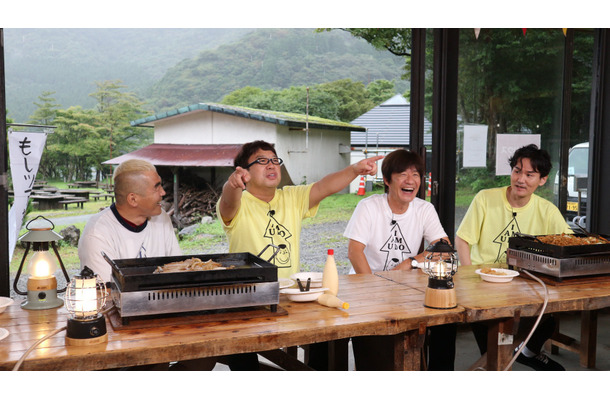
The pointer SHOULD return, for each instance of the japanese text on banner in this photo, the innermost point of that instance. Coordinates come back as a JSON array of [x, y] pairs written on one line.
[[25, 151]]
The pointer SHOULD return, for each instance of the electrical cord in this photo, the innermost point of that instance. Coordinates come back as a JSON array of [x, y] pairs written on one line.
[[39, 341], [22, 359], [546, 300]]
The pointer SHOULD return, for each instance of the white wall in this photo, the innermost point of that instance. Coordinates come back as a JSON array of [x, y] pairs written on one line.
[[310, 160], [205, 127]]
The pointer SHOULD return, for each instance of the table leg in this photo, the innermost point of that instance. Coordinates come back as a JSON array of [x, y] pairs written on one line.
[[588, 338], [407, 349], [499, 355]]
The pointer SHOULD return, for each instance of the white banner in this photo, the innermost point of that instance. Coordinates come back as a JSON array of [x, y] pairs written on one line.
[[507, 144], [25, 150], [475, 146]]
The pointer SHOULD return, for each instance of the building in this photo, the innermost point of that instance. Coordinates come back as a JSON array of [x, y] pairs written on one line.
[[387, 128], [204, 138]]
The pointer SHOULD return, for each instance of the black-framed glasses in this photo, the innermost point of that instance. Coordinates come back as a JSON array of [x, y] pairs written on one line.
[[265, 161]]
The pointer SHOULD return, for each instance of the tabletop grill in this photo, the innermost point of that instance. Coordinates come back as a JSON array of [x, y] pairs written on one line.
[[248, 281], [528, 253]]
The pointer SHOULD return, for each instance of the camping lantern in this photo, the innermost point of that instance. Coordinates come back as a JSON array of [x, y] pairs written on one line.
[[85, 298], [42, 284], [440, 264]]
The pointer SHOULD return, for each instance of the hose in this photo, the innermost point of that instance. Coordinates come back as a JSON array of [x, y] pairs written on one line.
[[546, 300], [22, 359]]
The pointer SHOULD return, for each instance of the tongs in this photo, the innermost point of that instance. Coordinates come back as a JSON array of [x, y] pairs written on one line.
[[109, 261], [306, 288], [586, 232]]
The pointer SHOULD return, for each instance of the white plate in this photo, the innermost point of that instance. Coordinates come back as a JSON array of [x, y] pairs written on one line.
[[298, 296], [508, 276], [3, 333], [286, 283], [316, 278], [5, 302]]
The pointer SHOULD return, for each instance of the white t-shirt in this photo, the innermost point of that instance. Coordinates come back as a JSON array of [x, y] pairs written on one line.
[[105, 232], [388, 244]]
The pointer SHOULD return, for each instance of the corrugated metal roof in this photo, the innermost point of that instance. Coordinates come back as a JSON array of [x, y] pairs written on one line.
[[388, 125], [292, 120], [183, 155]]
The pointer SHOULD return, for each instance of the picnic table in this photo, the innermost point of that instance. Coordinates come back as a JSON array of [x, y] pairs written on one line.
[[48, 202], [106, 196], [79, 201], [76, 192], [377, 307], [86, 184]]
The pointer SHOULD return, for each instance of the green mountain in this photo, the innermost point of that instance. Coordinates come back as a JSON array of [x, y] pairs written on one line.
[[70, 61], [275, 59], [169, 68]]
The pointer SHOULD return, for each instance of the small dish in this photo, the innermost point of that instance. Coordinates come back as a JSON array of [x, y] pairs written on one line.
[[3, 333], [316, 278], [5, 302], [506, 276], [286, 283], [298, 296]]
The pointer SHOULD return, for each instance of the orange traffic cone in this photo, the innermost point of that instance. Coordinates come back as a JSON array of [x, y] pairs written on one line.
[[361, 187], [430, 184]]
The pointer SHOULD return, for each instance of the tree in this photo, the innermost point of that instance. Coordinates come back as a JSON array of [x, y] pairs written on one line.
[[380, 91], [343, 100], [73, 149], [395, 40], [116, 109], [85, 138], [45, 113]]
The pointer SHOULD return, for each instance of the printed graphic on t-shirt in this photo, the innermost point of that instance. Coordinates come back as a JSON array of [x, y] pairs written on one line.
[[142, 252], [396, 248], [502, 239], [278, 236]]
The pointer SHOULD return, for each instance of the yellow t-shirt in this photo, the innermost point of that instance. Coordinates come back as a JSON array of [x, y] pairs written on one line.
[[491, 220], [258, 224]]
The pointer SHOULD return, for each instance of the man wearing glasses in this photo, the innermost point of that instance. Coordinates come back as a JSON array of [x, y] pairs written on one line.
[[255, 213]]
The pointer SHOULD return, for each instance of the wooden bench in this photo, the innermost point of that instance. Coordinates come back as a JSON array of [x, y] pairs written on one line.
[[76, 200], [104, 195]]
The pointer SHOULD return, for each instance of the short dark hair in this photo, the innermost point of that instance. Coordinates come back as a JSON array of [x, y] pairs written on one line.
[[398, 161], [241, 159], [539, 158]]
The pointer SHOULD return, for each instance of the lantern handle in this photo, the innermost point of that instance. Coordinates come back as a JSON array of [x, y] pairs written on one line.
[[40, 216]]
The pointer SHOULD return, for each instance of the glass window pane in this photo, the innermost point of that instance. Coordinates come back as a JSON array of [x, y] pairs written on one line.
[[511, 83]]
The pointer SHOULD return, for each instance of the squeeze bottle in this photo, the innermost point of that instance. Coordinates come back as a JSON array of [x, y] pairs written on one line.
[[329, 300], [330, 276]]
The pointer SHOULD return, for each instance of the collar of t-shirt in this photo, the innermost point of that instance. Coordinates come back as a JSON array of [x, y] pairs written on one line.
[[127, 224]]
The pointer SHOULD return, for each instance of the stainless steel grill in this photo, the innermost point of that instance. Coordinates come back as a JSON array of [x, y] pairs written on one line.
[[247, 281]]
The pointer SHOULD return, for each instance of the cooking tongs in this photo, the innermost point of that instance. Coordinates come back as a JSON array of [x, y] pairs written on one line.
[[306, 288]]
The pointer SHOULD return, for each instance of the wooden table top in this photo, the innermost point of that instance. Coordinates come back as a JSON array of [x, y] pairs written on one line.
[[486, 300], [378, 306]]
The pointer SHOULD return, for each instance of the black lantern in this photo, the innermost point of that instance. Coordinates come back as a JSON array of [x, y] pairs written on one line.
[[85, 299]]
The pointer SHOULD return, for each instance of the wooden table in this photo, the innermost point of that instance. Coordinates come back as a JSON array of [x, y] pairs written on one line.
[[378, 306], [84, 193], [86, 184], [49, 202], [501, 305]]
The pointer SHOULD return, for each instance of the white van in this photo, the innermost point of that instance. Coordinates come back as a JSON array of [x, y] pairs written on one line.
[[578, 167]]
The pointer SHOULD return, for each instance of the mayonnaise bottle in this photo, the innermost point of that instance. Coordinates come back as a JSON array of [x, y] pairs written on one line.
[[329, 300], [330, 276]]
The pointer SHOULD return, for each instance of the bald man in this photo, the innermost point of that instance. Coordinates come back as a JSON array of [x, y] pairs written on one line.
[[135, 226]]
